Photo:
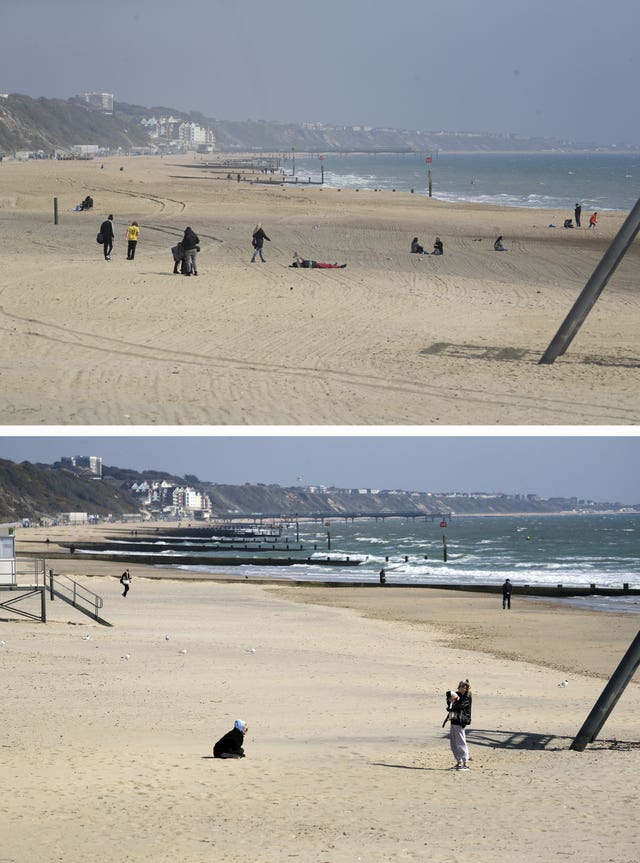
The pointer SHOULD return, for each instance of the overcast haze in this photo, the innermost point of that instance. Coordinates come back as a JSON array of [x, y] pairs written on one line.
[[565, 69], [598, 468]]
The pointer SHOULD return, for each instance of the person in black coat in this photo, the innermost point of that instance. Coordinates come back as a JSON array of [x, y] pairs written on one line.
[[190, 248], [459, 715], [106, 229], [230, 745], [507, 589], [577, 213], [257, 241]]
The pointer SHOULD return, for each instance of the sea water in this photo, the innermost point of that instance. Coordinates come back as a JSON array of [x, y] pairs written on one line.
[[599, 181], [572, 550]]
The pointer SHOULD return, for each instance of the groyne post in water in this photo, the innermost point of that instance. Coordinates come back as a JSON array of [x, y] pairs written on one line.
[[609, 698], [594, 287]]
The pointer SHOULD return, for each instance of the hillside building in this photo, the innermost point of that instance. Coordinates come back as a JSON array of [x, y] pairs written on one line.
[[104, 101]]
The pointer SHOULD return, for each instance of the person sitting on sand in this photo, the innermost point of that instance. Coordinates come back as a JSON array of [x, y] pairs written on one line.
[[230, 745], [568, 223], [499, 246], [314, 265], [438, 247], [416, 248]]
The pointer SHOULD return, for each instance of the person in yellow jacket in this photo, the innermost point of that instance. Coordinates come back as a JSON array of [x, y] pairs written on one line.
[[133, 232]]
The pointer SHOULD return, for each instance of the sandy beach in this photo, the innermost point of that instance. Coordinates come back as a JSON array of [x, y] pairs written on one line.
[[393, 339], [343, 691]]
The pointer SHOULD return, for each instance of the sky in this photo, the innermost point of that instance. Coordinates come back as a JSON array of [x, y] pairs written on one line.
[[596, 467], [554, 68]]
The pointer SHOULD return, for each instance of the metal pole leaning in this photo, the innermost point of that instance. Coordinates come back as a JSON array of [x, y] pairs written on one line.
[[594, 287], [609, 698]]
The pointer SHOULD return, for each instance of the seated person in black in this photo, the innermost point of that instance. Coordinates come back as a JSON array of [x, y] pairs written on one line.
[[230, 746], [416, 248], [438, 248]]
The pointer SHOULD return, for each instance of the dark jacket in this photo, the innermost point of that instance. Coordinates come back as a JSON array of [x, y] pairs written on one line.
[[190, 240], [106, 229], [258, 239], [230, 744], [460, 712]]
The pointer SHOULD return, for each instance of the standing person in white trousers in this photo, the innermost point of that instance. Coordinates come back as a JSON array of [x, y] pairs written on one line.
[[459, 710]]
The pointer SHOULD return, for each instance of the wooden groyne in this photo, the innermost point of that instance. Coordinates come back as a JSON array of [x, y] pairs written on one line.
[[200, 560]]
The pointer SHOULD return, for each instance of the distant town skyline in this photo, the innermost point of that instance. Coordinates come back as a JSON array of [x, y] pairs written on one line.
[[557, 70], [599, 468]]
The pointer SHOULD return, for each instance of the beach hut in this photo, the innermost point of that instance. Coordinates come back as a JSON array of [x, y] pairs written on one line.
[[7, 554]]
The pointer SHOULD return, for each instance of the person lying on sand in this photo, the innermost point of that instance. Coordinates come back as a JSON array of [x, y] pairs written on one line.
[[314, 265]]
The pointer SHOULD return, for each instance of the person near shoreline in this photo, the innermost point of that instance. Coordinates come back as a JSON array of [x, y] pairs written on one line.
[[507, 589], [577, 213], [190, 249], [383, 577], [230, 745], [593, 220], [438, 247], [133, 233], [459, 716], [257, 241], [107, 234], [125, 581]]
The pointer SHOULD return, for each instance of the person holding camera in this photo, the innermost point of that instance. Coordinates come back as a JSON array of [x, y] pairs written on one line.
[[459, 716]]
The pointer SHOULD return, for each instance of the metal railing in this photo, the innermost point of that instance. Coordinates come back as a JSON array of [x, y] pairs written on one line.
[[31, 572], [75, 594]]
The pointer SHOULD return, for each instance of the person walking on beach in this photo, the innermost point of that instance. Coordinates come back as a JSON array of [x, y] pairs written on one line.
[[593, 221], [257, 241], [106, 230], [459, 716], [577, 213], [230, 745], [125, 581], [383, 577], [507, 589], [133, 232], [190, 249]]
